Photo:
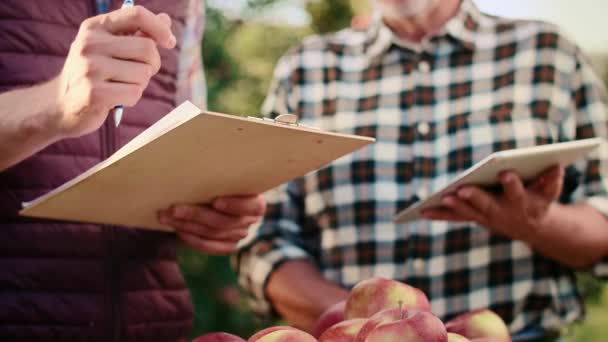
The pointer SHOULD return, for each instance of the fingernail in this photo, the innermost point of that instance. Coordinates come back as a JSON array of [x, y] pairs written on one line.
[[447, 201], [172, 40], [163, 220], [220, 205], [180, 212], [465, 193]]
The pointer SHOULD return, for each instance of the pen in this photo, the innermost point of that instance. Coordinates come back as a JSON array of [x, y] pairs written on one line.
[[119, 109]]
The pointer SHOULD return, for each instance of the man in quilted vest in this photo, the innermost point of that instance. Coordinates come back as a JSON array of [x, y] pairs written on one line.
[[63, 66]]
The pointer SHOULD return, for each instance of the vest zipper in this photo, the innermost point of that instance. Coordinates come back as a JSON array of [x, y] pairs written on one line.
[[108, 147]]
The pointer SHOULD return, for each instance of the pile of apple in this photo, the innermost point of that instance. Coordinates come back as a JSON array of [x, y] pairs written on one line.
[[384, 310]]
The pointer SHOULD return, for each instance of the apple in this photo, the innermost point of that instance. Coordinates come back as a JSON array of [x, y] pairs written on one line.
[[287, 335], [344, 331], [329, 317], [375, 294], [453, 337], [267, 331], [480, 323], [412, 326], [384, 316], [218, 337]]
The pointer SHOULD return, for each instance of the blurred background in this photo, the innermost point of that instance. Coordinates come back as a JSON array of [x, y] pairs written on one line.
[[244, 39]]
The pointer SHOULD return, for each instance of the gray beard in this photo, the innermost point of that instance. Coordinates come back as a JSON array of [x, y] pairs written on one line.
[[403, 10]]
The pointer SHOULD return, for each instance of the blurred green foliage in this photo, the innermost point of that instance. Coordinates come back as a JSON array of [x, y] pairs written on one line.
[[329, 16], [239, 56]]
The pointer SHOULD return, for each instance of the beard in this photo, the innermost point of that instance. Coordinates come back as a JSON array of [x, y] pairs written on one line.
[[403, 8]]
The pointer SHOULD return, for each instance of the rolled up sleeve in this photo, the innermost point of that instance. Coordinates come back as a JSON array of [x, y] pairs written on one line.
[[588, 179]]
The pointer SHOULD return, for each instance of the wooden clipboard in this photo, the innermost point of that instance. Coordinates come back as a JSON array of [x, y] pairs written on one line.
[[191, 156]]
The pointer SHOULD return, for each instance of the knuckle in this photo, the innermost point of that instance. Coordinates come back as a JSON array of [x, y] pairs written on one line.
[[148, 46], [86, 43], [96, 94], [87, 24], [135, 93], [262, 206], [156, 61], [150, 52], [138, 12], [90, 68]]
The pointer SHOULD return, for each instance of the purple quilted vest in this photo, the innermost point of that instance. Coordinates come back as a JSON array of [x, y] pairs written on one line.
[[81, 282]]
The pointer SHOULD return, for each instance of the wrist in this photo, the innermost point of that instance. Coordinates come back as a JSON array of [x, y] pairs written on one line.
[[44, 121], [546, 224]]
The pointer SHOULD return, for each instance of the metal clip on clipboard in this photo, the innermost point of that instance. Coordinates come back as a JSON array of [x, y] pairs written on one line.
[[284, 119]]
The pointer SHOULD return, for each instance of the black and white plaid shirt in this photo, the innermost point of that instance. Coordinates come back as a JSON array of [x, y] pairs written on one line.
[[480, 85]]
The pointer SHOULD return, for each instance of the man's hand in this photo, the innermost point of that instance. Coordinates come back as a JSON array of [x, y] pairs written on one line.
[[110, 63], [519, 212], [218, 227]]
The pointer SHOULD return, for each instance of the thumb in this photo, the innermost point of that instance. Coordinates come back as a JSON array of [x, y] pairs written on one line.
[[165, 18], [553, 183]]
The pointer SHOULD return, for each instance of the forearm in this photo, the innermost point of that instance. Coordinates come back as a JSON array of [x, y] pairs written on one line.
[[574, 235], [27, 122], [300, 294]]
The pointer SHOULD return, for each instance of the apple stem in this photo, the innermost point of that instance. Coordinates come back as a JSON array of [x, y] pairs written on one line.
[[401, 309]]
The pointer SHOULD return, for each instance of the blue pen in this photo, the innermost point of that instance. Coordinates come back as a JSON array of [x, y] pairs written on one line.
[[119, 109]]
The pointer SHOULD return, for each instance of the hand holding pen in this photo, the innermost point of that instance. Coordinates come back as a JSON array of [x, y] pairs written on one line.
[[118, 110], [110, 63]]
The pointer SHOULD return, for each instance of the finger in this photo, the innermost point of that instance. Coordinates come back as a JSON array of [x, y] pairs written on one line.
[[553, 183], [122, 71], [162, 16], [462, 209], [204, 231], [211, 217], [165, 18], [513, 187], [443, 214], [138, 49], [541, 179], [482, 201], [208, 246], [241, 205], [112, 94], [137, 18]]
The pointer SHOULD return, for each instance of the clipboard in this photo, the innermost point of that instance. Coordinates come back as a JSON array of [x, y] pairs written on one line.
[[528, 162], [192, 156]]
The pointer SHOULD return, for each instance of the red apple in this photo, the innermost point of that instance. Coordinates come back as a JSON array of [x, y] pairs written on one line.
[[375, 294], [344, 331], [329, 317], [453, 337], [412, 326], [384, 316], [218, 337], [267, 331], [480, 323], [288, 335]]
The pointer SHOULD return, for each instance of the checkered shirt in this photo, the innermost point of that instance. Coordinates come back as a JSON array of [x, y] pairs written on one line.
[[482, 84], [190, 76]]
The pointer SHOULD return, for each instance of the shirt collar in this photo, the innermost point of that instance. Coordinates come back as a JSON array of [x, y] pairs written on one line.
[[463, 27]]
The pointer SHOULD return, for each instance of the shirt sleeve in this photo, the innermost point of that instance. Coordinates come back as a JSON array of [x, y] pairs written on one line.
[[281, 236], [586, 181], [191, 84]]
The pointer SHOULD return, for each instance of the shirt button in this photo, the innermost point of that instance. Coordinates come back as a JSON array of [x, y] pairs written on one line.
[[424, 66], [423, 128], [418, 265]]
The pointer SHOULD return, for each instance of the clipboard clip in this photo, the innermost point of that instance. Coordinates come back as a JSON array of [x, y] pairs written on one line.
[[287, 119], [284, 119]]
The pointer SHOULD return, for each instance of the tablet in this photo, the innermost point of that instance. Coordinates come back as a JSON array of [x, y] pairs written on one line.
[[528, 162]]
